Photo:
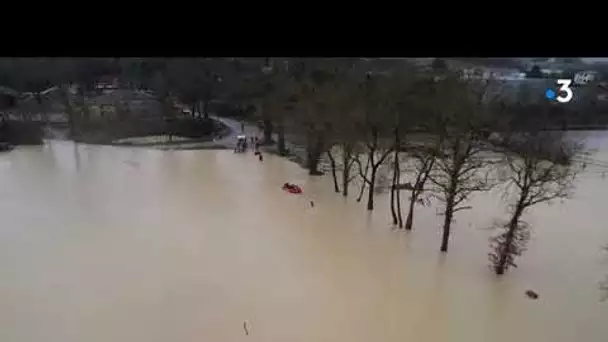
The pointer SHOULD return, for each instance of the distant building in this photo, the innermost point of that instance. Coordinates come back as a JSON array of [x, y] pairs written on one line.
[[107, 84], [552, 72], [585, 77], [486, 73]]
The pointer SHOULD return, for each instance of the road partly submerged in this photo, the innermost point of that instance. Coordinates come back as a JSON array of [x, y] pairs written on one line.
[[222, 141]]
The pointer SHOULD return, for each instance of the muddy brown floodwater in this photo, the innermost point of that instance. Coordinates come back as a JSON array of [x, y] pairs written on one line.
[[118, 244]]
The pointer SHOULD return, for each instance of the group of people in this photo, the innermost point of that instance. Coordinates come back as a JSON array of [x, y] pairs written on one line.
[[242, 143]]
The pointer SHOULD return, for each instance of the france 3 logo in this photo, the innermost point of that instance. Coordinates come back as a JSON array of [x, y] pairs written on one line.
[[563, 94]]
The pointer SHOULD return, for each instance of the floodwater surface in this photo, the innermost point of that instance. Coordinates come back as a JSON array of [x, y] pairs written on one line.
[[118, 244]]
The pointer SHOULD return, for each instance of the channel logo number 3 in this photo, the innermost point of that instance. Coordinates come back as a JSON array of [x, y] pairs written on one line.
[[565, 92]]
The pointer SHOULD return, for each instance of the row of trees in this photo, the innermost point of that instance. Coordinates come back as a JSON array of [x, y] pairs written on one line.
[[451, 137]]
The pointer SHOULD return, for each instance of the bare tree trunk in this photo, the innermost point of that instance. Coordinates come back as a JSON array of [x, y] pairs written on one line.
[[281, 140], [449, 213], [398, 195], [371, 185], [332, 161], [347, 162], [394, 186], [397, 219], [410, 214], [345, 181], [371, 188], [362, 190], [418, 189]]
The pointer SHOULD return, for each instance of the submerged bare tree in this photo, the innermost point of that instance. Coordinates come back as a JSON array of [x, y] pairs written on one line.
[[461, 123], [457, 177], [348, 149], [424, 160], [347, 133], [342, 95], [401, 94], [395, 198], [376, 153], [376, 128], [539, 167], [362, 172]]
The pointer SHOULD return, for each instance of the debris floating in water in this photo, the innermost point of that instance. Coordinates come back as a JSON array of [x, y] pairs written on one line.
[[531, 294], [245, 324]]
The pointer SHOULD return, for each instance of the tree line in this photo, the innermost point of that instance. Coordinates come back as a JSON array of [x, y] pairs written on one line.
[[440, 138], [449, 137]]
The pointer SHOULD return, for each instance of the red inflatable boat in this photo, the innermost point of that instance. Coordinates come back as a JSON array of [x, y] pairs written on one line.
[[292, 188]]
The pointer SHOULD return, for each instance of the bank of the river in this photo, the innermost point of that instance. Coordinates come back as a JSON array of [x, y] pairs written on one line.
[[187, 127], [225, 138], [183, 132]]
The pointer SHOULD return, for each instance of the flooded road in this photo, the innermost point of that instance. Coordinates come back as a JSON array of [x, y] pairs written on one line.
[[116, 244]]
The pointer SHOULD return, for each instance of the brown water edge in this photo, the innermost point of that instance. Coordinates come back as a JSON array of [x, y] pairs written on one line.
[[103, 243]]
